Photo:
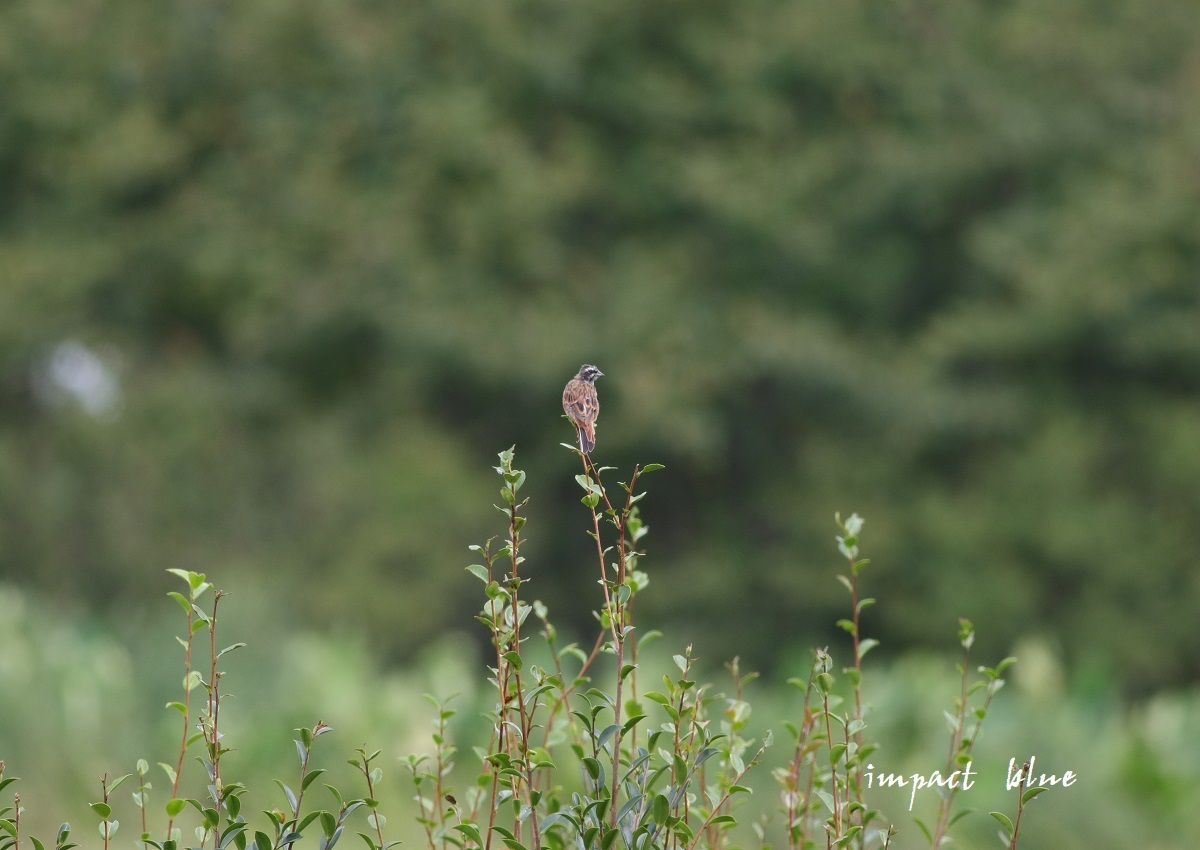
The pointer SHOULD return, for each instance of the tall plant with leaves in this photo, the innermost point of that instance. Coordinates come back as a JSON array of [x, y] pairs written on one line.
[[965, 723], [674, 787], [822, 785]]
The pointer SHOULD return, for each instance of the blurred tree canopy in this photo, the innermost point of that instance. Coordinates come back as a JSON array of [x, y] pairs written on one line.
[[278, 279]]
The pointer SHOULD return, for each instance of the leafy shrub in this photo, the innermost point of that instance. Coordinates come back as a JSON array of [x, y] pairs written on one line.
[[584, 752]]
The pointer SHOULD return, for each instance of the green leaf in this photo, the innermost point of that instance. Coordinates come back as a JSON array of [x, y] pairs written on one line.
[[1031, 793], [606, 734], [262, 841], [183, 574], [594, 769], [1005, 664], [310, 778], [327, 843], [479, 571], [652, 467], [232, 833], [291, 796], [1004, 821], [921, 824], [951, 720], [653, 634], [175, 806], [471, 831], [102, 809], [848, 836], [230, 648], [660, 809], [959, 815]]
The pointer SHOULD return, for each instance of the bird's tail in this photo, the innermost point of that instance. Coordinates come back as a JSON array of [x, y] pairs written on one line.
[[586, 442]]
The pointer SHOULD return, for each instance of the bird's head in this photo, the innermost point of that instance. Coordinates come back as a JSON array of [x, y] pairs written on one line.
[[589, 373]]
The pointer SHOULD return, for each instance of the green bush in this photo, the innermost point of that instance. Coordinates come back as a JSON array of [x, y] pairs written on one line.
[[588, 748]]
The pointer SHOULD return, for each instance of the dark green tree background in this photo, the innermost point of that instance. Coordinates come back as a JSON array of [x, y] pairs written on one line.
[[278, 279]]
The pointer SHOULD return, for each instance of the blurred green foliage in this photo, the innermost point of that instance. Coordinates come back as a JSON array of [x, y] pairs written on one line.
[[279, 277]]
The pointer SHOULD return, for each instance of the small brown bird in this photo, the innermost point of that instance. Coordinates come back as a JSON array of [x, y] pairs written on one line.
[[582, 405]]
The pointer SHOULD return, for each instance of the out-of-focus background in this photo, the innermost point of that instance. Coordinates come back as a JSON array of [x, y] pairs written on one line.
[[278, 280]]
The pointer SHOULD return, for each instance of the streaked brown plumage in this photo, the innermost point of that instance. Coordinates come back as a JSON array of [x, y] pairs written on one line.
[[582, 405]]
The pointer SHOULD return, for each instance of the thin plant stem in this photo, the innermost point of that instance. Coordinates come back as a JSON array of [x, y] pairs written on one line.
[[616, 624], [214, 709], [525, 712], [187, 702], [1025, 768]]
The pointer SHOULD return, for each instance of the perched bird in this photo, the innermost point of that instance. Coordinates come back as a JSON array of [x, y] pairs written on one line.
[[582, 405]]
